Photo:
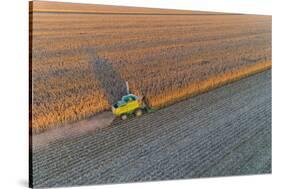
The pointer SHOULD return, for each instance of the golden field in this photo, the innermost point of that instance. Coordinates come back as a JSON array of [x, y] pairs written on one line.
[[81, 61]]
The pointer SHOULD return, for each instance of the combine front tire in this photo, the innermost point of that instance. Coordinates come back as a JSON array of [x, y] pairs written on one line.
[[124, 117]]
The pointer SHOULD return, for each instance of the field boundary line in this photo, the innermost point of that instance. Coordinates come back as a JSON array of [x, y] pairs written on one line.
[[129, 13]]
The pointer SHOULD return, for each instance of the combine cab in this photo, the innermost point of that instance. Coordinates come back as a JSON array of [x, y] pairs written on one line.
[[129, 105]]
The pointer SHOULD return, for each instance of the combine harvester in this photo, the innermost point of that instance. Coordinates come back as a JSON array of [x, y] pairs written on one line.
[[130, 105]]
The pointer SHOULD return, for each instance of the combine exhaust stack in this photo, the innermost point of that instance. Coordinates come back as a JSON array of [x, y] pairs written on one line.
[[127, 87]]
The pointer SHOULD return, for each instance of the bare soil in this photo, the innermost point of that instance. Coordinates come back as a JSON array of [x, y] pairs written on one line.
[[72, 130]]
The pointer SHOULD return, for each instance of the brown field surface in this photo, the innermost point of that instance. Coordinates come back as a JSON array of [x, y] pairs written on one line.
[[81, 61], [44, 6]]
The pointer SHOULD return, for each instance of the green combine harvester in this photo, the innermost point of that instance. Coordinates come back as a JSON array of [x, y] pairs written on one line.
[[130, 105]]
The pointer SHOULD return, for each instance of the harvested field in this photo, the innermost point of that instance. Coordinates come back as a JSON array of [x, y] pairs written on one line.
[[226, 131], [166, 55]]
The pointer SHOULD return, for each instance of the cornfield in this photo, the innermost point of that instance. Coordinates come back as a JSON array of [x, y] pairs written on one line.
[[80, 62]]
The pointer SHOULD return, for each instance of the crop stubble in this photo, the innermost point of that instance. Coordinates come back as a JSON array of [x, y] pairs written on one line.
[[223, 132]]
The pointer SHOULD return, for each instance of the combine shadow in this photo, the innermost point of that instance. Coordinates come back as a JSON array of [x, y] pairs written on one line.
[[110, 80]]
